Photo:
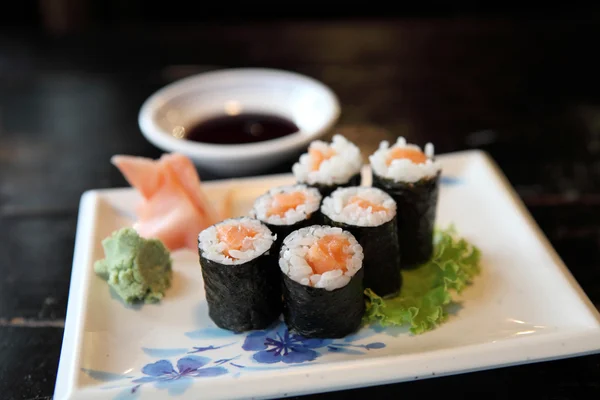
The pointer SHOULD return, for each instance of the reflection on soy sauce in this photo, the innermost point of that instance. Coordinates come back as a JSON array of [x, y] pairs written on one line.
[[239, 129]]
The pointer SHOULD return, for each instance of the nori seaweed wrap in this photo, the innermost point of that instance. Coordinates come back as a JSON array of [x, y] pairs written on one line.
[[417, 203], [241, 277], [370, 215], [327, 166], [323, 293], [411, 178]]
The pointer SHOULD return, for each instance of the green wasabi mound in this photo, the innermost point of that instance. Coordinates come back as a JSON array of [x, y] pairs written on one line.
[[427, 290], [138, 269]]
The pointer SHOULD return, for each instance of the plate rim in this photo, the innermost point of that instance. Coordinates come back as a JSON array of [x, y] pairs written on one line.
[[588, 338]]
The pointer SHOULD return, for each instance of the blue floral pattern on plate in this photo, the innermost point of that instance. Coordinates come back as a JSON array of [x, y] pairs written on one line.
[[273, 348], [163, 374], [279, 345], [190, 366]]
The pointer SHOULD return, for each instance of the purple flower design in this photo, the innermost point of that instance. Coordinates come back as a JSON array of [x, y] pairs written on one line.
[[177, 380], [279, 345]]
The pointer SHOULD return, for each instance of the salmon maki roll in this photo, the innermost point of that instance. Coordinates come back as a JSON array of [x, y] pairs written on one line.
[[284, 209], [322, 270], [411, 176], [327, 166], [241, 278], [370, 215]]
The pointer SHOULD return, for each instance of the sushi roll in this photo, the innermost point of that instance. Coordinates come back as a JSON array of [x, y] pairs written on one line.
[[284, 209], [241, 279], [327, 166], [369, 214], [322, 282], [411, 177]]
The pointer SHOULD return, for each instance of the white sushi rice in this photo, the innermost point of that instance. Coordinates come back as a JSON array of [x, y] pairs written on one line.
[[252, 247], [303, 211], [293, 262], [336, 207], [403, 170], [336, 170]]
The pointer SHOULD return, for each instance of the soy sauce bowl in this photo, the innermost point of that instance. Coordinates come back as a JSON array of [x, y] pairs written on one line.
[[169, 113]]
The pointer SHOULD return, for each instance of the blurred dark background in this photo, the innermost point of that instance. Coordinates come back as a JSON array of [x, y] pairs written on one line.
[[62, 16], [520, 81]]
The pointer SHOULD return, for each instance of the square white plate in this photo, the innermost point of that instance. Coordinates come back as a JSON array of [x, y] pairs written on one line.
[[524, 307]]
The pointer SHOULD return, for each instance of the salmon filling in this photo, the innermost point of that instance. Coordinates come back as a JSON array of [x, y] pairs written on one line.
[[283, 202], [317, 157], [398, 153], [235, 237], [329, 253], [362, 203]]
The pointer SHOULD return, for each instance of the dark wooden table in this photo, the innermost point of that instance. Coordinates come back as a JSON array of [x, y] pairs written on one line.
[[526, 91]]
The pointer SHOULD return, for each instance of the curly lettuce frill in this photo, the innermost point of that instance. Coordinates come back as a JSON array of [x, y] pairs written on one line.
[[427, 291]]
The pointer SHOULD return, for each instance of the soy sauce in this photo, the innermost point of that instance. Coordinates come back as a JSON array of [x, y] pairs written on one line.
[[239, 129]]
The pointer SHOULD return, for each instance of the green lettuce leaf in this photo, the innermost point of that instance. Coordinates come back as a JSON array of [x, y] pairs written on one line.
[[427, 290]]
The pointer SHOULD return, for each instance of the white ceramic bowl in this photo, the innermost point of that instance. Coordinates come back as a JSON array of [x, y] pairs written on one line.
[[311, 105]]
